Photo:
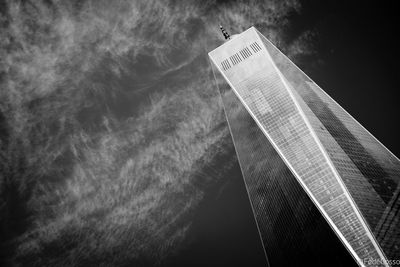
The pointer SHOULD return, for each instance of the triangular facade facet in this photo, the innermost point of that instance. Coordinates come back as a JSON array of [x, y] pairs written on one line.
[[298, 143]]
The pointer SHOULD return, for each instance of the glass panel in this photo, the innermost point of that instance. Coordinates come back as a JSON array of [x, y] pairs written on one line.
[[312, 154], [370, 172], [292, 230]]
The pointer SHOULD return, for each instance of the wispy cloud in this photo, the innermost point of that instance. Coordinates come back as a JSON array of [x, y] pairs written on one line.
[[112, 123]]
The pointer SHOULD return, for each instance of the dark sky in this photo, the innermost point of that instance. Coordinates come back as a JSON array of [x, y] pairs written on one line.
[[354, 59]]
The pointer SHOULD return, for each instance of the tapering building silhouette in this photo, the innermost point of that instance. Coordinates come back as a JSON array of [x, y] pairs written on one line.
[[311, 170]]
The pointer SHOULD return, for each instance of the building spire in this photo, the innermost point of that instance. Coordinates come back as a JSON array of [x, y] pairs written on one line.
[[225, 33]]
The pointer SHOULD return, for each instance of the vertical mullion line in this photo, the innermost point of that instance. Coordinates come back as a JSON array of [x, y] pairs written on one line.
[[291, 168], [240, 165], [336, 174]]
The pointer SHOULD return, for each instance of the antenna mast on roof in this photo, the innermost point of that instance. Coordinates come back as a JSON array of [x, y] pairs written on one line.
[[225, 33]]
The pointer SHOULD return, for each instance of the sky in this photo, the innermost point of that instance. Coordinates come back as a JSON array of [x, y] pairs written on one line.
[[114, 146]]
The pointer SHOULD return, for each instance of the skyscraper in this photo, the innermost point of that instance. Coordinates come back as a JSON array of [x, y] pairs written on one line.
[[304, 158]]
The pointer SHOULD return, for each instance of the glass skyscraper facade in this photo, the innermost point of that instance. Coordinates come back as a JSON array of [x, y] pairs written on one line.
[[310, 169]]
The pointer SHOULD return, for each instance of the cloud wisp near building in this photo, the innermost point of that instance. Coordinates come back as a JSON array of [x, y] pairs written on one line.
[[311, 170]]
